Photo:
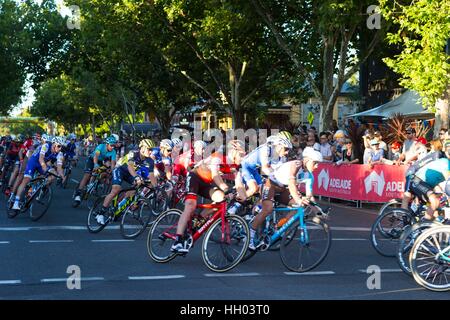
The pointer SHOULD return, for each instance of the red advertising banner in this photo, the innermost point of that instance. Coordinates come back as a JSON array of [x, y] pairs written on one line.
[[359, 182]]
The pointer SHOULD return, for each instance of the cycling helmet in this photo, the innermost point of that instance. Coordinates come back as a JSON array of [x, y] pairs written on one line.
[[116, 136], [20, 138], [59, 140], [422, 140], [177, 142], [72, 136], [396, 145], [200, 143], [271, 139], [166, 144], [45, 137], [285, 134], [312, 154], [146, 143], [111, 140], [281, 141]]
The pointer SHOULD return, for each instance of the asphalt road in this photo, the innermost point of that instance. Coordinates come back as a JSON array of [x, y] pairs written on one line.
[[35, 257]]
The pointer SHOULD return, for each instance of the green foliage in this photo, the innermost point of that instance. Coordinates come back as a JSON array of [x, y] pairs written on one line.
[[424, 27]]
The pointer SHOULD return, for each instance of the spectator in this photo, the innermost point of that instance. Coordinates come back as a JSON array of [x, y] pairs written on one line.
[[348, 153], [410, 139], [442, 134], [311, 142], [325, 148], [436, 145], [376, 155], [417, 151], [378, 137]]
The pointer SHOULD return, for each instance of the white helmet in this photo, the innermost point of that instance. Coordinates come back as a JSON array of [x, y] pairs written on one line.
[[177, 142], [282, 141], [45, 137], [116, 136], [166, 143], [59, 140], [71, 136], [200, 143], [312, 154], [271, 139]]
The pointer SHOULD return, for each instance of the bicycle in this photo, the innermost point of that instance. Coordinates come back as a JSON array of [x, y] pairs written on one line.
[[67, 168], [38, 196], [298, 238], [134, 211], [98, 186], [430, 259], [224, 245]]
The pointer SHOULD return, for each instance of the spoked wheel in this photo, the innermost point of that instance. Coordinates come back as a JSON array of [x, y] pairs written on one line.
[[41, 203], [159, 202], [223, 251], [162, 235], [92, 224], [305, 248], [387, 229], [392, 204], [67, 173], [430, 259], [135, 219], [407, 240]]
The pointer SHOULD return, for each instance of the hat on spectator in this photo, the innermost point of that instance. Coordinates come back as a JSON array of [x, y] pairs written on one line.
[[395, 145], [374, 142], [339, 134]]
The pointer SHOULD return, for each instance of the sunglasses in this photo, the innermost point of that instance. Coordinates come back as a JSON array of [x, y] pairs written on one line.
[[58, 146]]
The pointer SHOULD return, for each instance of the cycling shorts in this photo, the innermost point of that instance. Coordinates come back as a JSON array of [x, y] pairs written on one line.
[[33, 165], [90, 165], [250, 173]]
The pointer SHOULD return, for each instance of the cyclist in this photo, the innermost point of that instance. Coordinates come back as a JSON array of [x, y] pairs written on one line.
[[427, 182], [25, 152], [71, 148], [134, 168], [162, 159], [38, 162], [12, 154], [102, 153], [177, 148], [205, 180]]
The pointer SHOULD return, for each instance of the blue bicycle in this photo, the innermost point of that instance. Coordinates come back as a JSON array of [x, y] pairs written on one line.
[[303, 240]]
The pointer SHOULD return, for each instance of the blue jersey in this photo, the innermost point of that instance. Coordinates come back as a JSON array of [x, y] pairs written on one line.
[[70, 149], [46, 150], [104, 154], [263, 154], [159, 158], [434, 172]]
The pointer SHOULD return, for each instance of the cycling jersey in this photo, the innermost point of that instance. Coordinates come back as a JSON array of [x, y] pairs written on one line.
[[282, 175], [183, 163], [255, 159], [69, 150], [33, 163], [222, 163], [142, 166], [160, 160], [104, 154], [434, 172]]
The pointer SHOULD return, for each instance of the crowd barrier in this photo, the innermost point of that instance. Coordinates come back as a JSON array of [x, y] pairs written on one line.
[[360, 183]]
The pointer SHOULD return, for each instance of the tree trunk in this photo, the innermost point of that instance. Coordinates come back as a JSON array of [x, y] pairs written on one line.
[[442, 113]]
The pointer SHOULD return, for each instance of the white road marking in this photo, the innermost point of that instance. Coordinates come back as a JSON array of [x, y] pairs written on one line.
[[50, 241], [348, 239], [50, 280], [248, 274], [4, 242], [311, 273], [174, 276], [350, 229], [383, 270], [10, 281]]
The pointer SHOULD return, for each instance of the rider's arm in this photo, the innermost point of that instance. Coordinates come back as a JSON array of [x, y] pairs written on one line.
[[95, 159], [292, 185], [215, 174], [59, 164]]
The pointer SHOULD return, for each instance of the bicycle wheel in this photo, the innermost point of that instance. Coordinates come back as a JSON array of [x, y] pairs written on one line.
[[135, 219], [430, 259], [161, 236], [407, 240], [92, 224], [394, 203], [223, 251], [305, 248], [387, 229], [75, 204], [67, 173], [159, 203], [41, 203]]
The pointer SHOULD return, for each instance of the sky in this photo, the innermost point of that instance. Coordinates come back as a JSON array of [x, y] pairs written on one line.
[[28, 98]]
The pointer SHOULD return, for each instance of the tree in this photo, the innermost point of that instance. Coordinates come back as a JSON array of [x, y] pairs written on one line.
[[223, 49], [424, 29], [323, 40]]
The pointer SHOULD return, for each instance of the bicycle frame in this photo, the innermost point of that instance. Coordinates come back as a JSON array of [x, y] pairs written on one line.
[[298, 216], [220, 214]]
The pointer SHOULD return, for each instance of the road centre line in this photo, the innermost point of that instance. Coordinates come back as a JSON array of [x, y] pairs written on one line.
[[168, 277], [311, 273], [10, 281], [248, 274], [51, 241], [52, 280]]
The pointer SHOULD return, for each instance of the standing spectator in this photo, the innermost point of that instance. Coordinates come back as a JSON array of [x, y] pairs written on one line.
[[410, 139], [377, 154], [325, 148], [442, 135], [348, 153], [379, 138]]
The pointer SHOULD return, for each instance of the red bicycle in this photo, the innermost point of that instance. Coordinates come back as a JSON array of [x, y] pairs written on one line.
[[223, 247]]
